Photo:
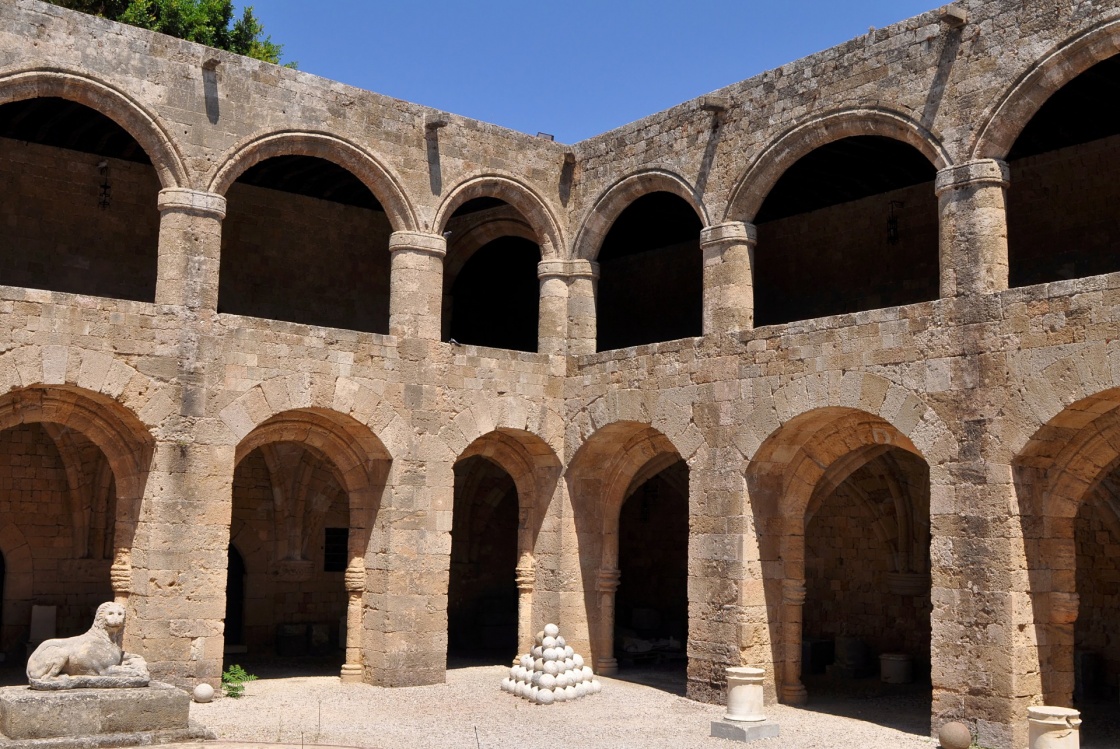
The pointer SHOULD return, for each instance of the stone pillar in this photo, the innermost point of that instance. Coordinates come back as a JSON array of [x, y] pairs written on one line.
[[526, 577], [582, 280], [190, 245], [416, 284], [355, 579], [607, 585], [552, 327], [728, 276], [793, 602], [973, 227]]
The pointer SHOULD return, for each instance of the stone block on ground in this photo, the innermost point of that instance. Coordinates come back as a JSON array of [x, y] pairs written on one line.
[[722, 729]]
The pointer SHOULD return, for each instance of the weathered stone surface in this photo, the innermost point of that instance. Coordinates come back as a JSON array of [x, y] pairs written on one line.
[[745, 731], [88, 713], [95, 659]]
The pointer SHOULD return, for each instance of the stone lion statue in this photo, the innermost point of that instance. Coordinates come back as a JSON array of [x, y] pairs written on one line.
[[93, 659]]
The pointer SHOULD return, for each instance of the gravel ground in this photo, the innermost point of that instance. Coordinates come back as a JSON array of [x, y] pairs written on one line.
[[471, 712]]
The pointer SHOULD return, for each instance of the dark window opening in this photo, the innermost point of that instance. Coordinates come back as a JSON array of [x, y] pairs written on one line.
[[80, 203], [851, 226], [651, 619], [651, 274], [336, 549], [1061, 217], [482, 589], [305, 241]]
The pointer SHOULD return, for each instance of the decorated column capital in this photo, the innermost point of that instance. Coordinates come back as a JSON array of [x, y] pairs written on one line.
[[980, 173], [194, 202], [567, 269], [416, 241], [732, 232]]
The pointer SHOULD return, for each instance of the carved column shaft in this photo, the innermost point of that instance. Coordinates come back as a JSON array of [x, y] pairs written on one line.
[[355, 579], [607, 586], [973, 227], [526, 577], [793, 604]]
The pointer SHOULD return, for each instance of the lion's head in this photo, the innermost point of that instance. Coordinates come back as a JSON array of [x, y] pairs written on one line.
[[110, 619]]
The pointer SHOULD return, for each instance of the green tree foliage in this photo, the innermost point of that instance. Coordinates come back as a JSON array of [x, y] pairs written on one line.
[[208, 22]]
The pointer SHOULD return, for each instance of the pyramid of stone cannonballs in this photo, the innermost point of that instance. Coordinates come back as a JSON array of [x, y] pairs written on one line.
[[551, 672]]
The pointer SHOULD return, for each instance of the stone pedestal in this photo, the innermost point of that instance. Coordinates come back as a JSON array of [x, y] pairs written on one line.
[[1054, 727], [744, 731], [156, 714], [744, 694]]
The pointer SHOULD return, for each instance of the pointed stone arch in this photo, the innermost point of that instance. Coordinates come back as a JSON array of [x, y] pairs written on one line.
[[142, 124], [384, 185], [768, 167]]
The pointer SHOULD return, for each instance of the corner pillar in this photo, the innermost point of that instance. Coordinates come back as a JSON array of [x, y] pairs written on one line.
[[728, 277], [607, 586], [526, 578], [190, 245], [416, 284], [355, 580], [972, 205], [793, 605]]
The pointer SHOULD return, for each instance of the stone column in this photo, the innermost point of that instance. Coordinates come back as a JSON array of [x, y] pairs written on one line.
[[190, 245], [793, 603], [728, 276], [355, 579], [552, 327], [582, 280], [973, 227], [416, 284], [606, 586], [526, 578]]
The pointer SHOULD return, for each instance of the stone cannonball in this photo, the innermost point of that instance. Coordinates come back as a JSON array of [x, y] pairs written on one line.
[[581, 689], [561, 680], [203, 692], [570, 691], [535, 678], [578, 660], [527, 661], [537, 652], [540, 637], [596, 686], [559, 695], [551, 630], [954, 736], [546, 697], [533, 692], [568, 652], [569, 664], [547, 681], [552, 668], [549, 642], [561, 641], [550, 654], [538, 664], [587, 673]]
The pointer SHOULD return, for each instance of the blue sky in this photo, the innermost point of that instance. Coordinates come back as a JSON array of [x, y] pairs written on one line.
[[573, 68]]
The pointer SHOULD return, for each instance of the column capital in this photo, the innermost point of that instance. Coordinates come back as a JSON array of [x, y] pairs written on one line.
[[992, 172], [417, 241], [732, 232], [608, 581], [567, 269], [182, 200]]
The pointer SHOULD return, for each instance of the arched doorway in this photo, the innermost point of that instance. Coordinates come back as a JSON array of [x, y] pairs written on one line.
[[482, 597], [650, 274], [80, 202], [851, 226], [235, 601]]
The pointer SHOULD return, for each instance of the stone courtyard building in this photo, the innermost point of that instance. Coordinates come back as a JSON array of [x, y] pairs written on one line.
[[834, 351]]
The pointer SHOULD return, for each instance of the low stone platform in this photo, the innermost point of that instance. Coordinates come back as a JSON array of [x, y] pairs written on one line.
[[725, 729], [88, 718]]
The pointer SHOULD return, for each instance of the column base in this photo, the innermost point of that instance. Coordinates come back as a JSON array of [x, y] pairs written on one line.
[[351, 673], [606, 667], [794, 694]]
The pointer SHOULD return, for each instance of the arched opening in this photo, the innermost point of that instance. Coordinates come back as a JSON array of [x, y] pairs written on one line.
[[841, 501], [1067, 480], [235, 602], [287, 498], [1061, 221], [80, 202], [482, 597], [305, 241], [491, 293], [851, 226], [651, 275], [651, 605]]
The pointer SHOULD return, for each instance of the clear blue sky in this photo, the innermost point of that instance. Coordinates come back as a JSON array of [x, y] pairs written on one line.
[[573, 68]]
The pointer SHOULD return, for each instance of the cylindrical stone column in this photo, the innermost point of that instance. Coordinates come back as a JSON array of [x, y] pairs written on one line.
[[355, 579], [744, 694], [728, 276], [552, 326], [582, 281], [416, 284], [1054, 727], [972, 203], [606, 664], [190, 246], [525, 576], [793, 603]]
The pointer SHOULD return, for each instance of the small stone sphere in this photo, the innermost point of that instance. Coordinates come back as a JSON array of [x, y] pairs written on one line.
[[546, 697], [954, 736], [550, 654], [552, 668], [535, 678], [559, 695], [561, 680], [538, 664], [203, 692], [581, 689], [588, 674], [551, 630], [596, 686], [540, 637], [571, 692], [568, 652], [513, 672], [569, 664], [517, 687], [533, 693], [561, 641], [549, 642], [537, 652], [547, 681], [578, 660], [527, 661]]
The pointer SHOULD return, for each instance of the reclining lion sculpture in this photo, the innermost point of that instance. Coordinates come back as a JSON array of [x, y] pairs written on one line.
[[93, 659]]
